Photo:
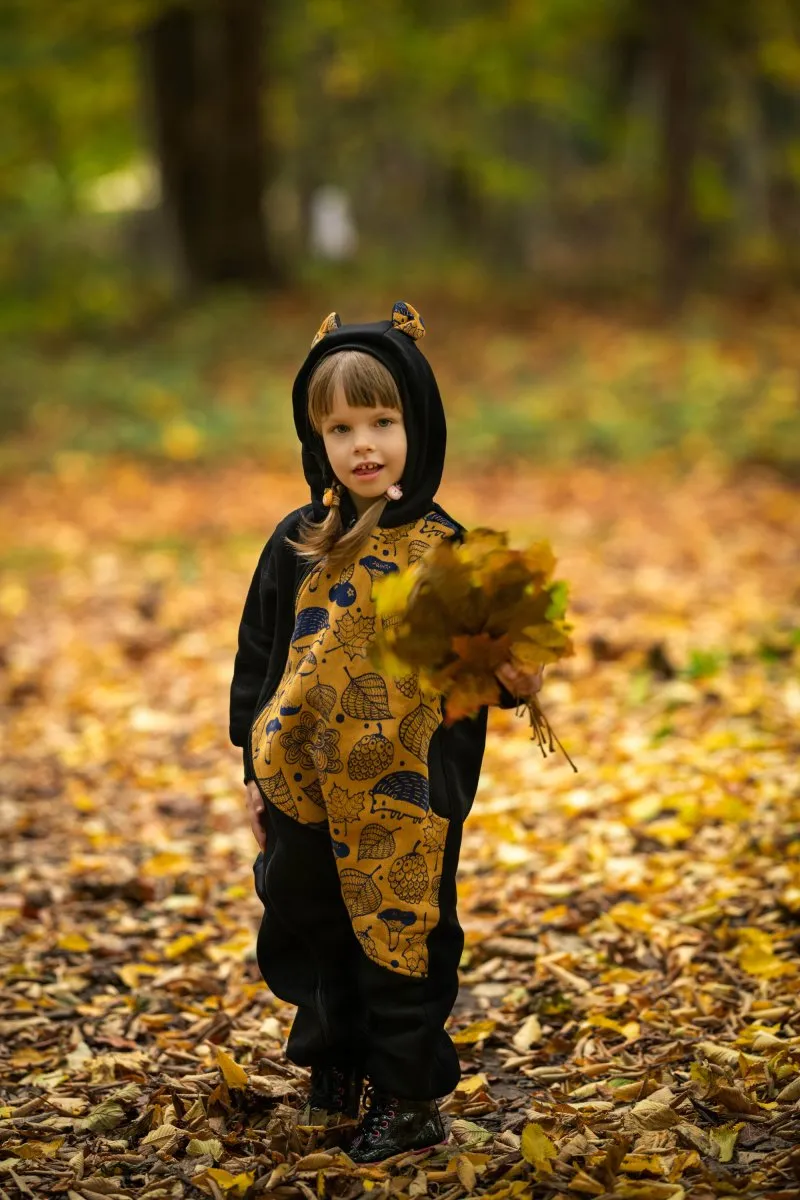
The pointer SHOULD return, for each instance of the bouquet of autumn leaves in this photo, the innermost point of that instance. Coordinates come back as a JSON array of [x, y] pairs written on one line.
[[466, 608]]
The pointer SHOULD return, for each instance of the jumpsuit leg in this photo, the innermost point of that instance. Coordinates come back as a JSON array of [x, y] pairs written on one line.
[[352, 1010], [408, 1052], [307, 952]]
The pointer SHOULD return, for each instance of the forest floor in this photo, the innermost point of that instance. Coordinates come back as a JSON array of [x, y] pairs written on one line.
[[629, 1020]]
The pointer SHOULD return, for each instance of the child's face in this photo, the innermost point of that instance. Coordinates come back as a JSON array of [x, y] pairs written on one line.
[[366, 448]]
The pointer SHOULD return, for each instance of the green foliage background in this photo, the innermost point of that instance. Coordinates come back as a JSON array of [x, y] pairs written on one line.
[[505, 167]]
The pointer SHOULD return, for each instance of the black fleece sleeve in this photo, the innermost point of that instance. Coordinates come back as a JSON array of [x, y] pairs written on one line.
[[506, 699], [256, 633]]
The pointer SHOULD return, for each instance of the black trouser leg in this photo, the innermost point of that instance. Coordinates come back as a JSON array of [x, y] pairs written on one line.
[[349, 1007], [409, 1054], [307, 951]]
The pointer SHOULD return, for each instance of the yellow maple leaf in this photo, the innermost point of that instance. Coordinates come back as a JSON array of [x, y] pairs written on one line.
[[234, 1075]]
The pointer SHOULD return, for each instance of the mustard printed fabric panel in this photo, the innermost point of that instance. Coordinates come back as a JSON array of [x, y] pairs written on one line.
[[340, 744]]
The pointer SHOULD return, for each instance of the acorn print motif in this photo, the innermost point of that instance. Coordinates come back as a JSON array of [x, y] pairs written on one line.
[[370, 756], [342, 748], [408, 685], [409, 877]]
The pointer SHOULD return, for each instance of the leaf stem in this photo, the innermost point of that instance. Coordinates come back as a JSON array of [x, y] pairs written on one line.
[[543, 733]]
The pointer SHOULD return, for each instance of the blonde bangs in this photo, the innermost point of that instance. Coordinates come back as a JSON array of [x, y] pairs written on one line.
[[366, 383]]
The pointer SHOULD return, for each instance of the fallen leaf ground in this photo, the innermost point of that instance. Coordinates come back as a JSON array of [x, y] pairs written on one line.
[[629, 1019]]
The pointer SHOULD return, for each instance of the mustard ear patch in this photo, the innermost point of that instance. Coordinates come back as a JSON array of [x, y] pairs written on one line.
[[331, 322], [406, 318]]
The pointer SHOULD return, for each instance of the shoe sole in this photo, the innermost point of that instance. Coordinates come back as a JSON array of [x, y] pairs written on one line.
[[401, 1154]]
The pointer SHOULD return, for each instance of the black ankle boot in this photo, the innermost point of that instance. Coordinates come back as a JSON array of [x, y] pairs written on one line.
[[390, 1126], [335, 1093]]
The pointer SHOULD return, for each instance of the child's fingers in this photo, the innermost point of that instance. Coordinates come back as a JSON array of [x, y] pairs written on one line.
[[258, 831], [255, 807], [519, 682], [508, 675]]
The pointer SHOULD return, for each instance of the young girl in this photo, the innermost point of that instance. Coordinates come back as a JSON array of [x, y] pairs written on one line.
[[357, 791]]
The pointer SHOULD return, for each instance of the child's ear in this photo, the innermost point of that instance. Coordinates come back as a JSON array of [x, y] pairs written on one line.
[[331, 322], [406, 318]]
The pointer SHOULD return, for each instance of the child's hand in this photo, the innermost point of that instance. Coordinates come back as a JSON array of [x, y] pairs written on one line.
[[255, 807], [522, 684]]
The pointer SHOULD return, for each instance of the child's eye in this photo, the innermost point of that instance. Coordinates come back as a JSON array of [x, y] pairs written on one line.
[[384, 421], [340, 429]]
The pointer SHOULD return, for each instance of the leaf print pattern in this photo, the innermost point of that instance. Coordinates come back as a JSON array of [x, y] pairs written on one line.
[[390, 537], [344, 806], [355, 635], [434, 835], [333, 749], [277, 792], [314, 793], [366, 698], [417, 729], [416, 550], [376, 841], [322, 698], [360, 892]]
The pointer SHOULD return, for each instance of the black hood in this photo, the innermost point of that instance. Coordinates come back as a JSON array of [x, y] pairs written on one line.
[[423, 416]]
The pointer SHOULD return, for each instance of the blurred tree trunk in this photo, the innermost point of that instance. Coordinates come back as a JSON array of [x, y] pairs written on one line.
[[675, 51], [204, 68]]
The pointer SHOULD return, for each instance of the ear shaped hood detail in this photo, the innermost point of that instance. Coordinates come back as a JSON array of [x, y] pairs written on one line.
[[394, 344], [331, 322]]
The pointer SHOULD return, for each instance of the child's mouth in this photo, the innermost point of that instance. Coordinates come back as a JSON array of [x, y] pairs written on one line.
[[368, 470]]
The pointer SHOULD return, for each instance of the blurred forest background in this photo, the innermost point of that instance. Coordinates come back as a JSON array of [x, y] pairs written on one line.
[[594, 205], [606, 195]]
